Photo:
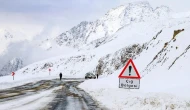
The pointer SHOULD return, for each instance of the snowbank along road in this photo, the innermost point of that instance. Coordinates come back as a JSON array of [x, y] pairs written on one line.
[[48, 95]]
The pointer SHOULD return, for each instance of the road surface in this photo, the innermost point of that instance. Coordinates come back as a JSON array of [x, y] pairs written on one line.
[[48, 95]]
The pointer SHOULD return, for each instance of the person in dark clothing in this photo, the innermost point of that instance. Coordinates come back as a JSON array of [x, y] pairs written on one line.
[[97, 76], [60, 75]]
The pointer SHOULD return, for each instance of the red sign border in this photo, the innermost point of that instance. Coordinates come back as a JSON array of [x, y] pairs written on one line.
[[13, 73], [132, 77]]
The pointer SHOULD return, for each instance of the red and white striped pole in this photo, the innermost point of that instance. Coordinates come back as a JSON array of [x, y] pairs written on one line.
[[13, 74]]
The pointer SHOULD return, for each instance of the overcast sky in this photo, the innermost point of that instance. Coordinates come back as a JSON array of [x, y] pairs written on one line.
[[56, 16]]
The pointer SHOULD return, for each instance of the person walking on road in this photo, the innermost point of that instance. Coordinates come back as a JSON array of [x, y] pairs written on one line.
[[97, 75], [60, 75]]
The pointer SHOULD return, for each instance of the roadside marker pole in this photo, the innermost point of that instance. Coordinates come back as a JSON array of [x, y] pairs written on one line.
[[49, 71], [13, 74]]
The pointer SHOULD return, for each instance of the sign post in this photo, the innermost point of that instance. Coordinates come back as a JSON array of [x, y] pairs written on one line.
[[49, 71], [13, 74], [129, 78]]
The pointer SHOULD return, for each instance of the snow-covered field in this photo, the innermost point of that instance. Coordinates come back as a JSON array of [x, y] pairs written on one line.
[[107, 92]]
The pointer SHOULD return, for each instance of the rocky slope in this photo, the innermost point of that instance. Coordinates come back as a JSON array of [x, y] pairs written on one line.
[[115, 61]]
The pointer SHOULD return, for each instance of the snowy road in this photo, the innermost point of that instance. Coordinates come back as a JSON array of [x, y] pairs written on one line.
[[48, 95]]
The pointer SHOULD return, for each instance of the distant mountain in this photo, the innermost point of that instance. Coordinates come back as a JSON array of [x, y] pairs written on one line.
[[12, 66]]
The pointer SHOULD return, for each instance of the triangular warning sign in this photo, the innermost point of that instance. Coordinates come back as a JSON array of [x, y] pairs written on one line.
[[130, 71]]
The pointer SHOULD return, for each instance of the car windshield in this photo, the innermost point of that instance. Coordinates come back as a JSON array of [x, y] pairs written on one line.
[[87, 73]]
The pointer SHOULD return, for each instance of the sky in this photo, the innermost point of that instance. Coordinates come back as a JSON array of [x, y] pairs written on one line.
[[51, 17]]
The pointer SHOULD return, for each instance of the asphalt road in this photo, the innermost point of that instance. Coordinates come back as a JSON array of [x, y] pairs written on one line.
[[69, 97]]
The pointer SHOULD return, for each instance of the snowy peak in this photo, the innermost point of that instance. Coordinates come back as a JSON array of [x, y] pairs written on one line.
[[74, 36], [115, 12], [163, 12], [115, 19], [137, 11], [142, 11]]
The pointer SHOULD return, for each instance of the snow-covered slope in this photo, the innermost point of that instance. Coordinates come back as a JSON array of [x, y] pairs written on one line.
[[13, 65], [163, 65]]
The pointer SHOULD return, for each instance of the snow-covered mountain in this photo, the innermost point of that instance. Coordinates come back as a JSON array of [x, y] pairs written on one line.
[[156, 39], [13, 65], [15, 44], [131, 30], [87, 33]]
